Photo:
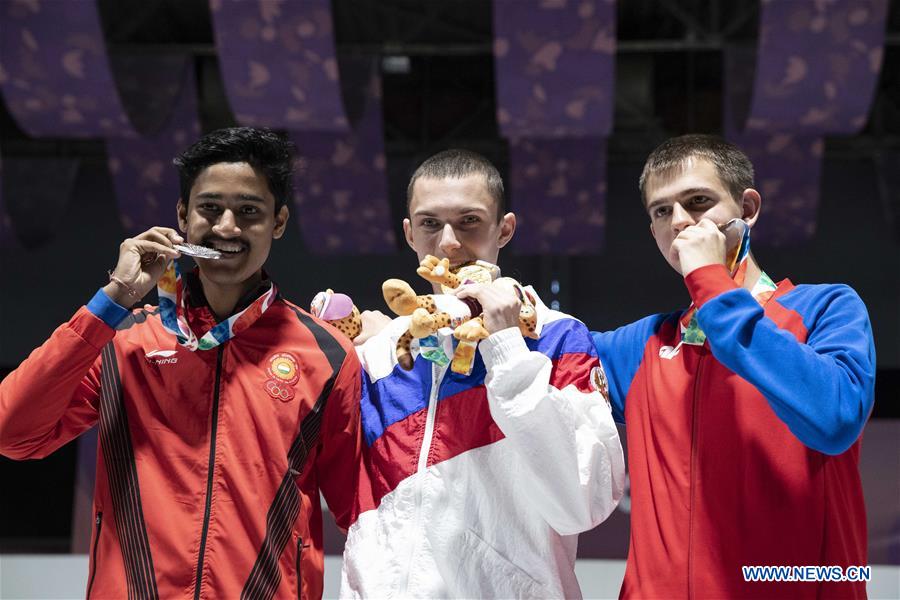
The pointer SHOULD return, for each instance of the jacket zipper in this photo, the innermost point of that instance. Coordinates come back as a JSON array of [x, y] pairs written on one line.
[[695, 427], [99, 522], [299, 576], [437, 373], [211, 470]]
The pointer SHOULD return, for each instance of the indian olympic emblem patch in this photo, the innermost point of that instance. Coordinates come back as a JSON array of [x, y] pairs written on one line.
[[283, 373], [599, 382]]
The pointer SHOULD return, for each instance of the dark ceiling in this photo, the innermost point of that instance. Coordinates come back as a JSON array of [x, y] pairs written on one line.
[[438, 70]]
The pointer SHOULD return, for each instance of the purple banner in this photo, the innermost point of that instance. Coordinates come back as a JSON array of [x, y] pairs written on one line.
[[56, 78], [816, 69], [58, 81], [817, 66], [555, 71], [788, 170], [555, 67], [280, 70], [558, 192], [341, 197], [144, 179], [278, 63]]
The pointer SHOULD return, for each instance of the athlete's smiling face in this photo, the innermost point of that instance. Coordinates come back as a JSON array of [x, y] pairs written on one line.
[[232, 210]]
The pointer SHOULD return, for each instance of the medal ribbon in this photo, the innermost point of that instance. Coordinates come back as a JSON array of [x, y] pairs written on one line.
[[172, 312], [737, 262]]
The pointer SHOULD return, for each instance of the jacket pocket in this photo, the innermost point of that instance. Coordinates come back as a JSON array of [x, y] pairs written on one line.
[[98, 521], [485, 573]]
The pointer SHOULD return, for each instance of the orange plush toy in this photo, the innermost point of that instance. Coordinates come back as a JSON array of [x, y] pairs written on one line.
[[430, 312]]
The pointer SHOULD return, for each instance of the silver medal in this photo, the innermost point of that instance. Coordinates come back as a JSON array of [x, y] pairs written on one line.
[[198, 251]]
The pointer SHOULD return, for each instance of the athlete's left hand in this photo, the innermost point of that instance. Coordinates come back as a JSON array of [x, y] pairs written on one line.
[[499, 303], [698, 246], [373, 321]]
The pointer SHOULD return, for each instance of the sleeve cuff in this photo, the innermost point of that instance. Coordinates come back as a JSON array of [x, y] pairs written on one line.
[[103, 307], [707, 282], [502, 346]]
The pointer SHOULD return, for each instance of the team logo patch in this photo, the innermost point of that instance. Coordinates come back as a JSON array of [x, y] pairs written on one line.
[[162, 357], [599, 382], [283, 373]]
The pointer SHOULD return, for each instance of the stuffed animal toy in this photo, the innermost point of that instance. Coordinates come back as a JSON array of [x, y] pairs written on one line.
[[431, 312], [338, 310]]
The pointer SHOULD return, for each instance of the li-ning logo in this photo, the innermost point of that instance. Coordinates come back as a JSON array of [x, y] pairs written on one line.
[[162, 357]]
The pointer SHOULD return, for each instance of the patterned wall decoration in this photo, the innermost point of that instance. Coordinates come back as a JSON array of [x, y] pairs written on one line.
[[145, 181], [816, 70], [554, 63], [58, 81], [281, 70], [569, 176], [56, 78], [338, 210], [279, 63], [554, 68]]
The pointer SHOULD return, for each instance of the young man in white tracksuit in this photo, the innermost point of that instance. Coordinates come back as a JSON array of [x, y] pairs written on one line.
[[478, 485]]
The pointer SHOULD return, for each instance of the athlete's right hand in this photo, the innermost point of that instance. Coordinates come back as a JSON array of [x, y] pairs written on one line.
[[142, 261]]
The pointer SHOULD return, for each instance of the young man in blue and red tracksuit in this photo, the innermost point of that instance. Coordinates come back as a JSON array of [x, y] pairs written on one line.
[[743, 412]]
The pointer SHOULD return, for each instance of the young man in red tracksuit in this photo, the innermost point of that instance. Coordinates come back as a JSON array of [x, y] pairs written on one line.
[[743, 412], [222, 413]]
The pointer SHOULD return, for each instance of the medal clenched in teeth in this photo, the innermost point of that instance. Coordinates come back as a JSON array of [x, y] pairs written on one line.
[[198, 251]]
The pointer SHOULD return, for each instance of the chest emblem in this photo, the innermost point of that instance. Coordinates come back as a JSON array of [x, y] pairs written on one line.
[[284, 373]]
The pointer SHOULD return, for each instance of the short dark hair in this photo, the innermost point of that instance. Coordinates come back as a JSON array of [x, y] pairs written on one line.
[[732, 165], [266, 151], [457, 163]]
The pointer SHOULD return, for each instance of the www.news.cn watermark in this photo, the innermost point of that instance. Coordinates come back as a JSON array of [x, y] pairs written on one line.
[[806, 573]]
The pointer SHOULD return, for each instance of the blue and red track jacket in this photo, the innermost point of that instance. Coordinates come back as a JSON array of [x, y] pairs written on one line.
[[744, 451]]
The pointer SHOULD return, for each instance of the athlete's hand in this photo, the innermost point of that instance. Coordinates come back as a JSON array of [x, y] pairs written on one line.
[[142, 261], [698, 246], [500, 304], [373, 321]]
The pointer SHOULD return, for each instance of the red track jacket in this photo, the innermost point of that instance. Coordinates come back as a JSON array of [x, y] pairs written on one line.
[[209, 463]]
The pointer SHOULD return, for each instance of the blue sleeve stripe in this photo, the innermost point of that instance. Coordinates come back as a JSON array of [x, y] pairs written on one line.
[[561, 337], [103, 307], [558, 338], [393, 398], [821, 388], [402, 393]]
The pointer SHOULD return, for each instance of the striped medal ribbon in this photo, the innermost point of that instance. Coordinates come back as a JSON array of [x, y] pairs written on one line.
[[172, 312]]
